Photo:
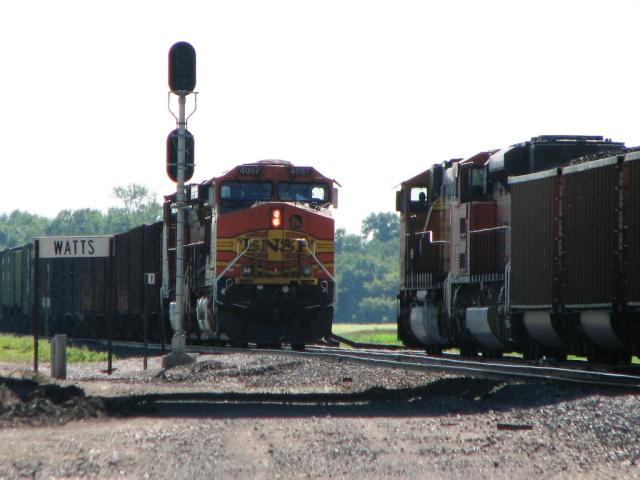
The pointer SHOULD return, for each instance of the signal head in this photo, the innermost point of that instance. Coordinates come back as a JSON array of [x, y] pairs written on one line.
[[172, 155], [182, 68]]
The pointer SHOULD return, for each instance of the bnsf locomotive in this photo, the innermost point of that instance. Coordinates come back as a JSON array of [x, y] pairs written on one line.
[[259, 255], [259, 267], [533, 249]]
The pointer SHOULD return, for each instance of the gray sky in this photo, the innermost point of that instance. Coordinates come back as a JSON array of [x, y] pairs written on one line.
[[368, 92]]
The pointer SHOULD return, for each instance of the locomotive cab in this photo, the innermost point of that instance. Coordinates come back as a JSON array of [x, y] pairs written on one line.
[[420, 204], [453, 259]]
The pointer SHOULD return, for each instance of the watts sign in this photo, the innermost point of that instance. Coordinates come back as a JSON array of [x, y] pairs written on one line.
[[74, 247]]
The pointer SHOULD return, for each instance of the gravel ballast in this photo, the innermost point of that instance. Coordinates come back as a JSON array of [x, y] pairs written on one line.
[[238, 415]]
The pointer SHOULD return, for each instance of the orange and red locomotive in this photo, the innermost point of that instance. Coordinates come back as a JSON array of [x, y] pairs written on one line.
[[259, 255]]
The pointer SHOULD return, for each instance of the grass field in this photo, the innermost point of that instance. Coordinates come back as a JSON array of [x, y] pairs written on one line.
[[384, 333], [20, 349]]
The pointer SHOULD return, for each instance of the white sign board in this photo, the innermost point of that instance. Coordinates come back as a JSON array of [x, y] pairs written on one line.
[[73, 247]]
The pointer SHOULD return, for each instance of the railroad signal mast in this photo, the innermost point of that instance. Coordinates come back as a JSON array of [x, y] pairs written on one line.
[[180, 166]]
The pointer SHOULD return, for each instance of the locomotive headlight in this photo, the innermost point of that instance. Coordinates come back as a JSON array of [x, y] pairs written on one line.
[[247, 270], [307, 270], [276, 218]]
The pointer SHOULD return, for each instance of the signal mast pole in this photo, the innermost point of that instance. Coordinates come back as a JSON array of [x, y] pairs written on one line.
[[182, 80], [178, 342]]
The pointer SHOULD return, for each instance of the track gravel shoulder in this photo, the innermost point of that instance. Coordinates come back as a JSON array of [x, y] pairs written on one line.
[[273, 416]]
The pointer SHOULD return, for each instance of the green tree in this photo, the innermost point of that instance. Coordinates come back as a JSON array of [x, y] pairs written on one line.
[[367, 271], [140, 207], [381, 308], [354, 271], [85, 221], [346, 242], [18, 228], [134, 196], [383, 226]]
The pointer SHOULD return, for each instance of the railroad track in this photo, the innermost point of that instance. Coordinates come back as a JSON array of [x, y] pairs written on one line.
[[450, 363], [481, 368]]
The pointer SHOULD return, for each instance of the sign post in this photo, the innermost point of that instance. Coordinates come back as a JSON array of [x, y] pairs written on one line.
[[110, 293], [182, 81], [35, 314], [59, 357], [53, 248], [149, 280]]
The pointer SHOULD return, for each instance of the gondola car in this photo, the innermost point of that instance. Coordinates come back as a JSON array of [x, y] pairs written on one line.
[[81, 296]]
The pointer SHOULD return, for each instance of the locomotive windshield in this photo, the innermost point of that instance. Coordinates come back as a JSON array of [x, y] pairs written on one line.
[[418, 199], [303, 192], [253, 191]]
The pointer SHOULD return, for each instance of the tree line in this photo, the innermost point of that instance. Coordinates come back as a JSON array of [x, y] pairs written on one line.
[[366, 264], [138, 207]]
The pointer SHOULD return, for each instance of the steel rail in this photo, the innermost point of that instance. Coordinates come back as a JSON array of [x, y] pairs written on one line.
[[485, 369], [416, 361]]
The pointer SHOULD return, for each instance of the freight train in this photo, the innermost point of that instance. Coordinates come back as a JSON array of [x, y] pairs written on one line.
[[533, 249], [259, 249]]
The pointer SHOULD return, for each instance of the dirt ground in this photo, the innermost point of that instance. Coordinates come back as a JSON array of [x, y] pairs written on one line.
[[273, 416]]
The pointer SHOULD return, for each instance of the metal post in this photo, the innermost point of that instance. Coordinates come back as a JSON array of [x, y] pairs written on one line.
[[178, 355], [182, 81], [145, 320], [46, 308], [178, 343], [111, 307], [35, 314], [163, 319], [59, 357]]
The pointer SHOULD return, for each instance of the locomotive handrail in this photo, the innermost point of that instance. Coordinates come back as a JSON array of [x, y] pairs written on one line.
[[426, 222], [507, 282], [333, 279], [430, 233], [447, 294], [313, 255], [235, 260], [492, 229], [482, 230]]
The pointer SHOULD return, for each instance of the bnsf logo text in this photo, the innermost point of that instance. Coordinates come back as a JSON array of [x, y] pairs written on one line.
[[272, 244]]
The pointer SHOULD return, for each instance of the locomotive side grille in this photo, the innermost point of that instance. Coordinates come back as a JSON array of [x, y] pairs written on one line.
[[195, 262], [632, 239], [488, 251], [590, 234], [532, 241], [427, 256]]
